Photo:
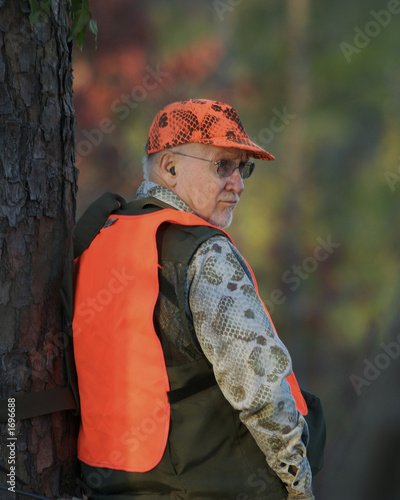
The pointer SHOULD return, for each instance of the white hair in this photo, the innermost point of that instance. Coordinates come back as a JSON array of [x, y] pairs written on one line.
[[148, 164]]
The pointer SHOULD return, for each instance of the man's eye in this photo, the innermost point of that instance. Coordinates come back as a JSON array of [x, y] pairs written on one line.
[[223, 168]]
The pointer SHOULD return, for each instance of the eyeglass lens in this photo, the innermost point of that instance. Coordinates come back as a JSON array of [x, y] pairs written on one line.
[[227, 167]]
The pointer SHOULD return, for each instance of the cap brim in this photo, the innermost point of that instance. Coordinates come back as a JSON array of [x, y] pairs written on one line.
[[242, 143]]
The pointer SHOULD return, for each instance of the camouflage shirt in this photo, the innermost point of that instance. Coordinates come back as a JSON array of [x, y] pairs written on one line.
[[249, 360]]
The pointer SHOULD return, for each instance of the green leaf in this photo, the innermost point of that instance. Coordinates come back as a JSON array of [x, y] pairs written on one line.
[[35, 12], [74, 7], [80, 18], [79, 13], [93, 28], [46, 6], [80, 38], [37, 8]]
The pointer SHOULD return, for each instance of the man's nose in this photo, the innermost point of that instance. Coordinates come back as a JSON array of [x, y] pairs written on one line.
[[235, 182]]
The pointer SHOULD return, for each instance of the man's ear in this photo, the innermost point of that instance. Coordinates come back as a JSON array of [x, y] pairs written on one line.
[[167, 168]]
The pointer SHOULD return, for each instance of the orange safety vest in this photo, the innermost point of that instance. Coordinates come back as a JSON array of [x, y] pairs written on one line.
[[122, 377]]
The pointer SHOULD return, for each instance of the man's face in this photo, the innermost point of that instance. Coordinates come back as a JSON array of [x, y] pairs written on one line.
[[210, 196]]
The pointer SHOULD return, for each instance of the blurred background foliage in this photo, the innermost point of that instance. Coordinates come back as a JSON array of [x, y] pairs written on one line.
[[317, 84]]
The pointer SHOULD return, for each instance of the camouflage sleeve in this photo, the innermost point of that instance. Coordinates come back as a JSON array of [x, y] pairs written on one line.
[[249, 360]]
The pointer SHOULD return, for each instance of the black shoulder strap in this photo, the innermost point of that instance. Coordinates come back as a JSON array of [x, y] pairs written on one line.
[[141, 206], [89, 225], [67, 398], [315, 419]]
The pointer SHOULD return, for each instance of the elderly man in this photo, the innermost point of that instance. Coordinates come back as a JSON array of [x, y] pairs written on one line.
[[207, 404]]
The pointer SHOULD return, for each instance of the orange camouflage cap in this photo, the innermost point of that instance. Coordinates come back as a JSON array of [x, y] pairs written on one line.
[[203, 121]]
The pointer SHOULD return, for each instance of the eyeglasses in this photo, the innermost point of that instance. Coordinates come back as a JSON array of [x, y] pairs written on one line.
[[225, 168]]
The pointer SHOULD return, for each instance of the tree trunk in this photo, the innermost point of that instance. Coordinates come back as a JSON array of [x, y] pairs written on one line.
[[37, 210], [364, 463], [295, 160]]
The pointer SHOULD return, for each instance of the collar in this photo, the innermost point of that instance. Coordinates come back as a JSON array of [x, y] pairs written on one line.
[[149, 188]]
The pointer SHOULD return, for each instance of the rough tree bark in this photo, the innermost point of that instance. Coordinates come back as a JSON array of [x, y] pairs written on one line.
[[37, 210]]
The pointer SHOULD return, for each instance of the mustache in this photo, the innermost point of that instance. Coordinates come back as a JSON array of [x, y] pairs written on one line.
[[231, 199]]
